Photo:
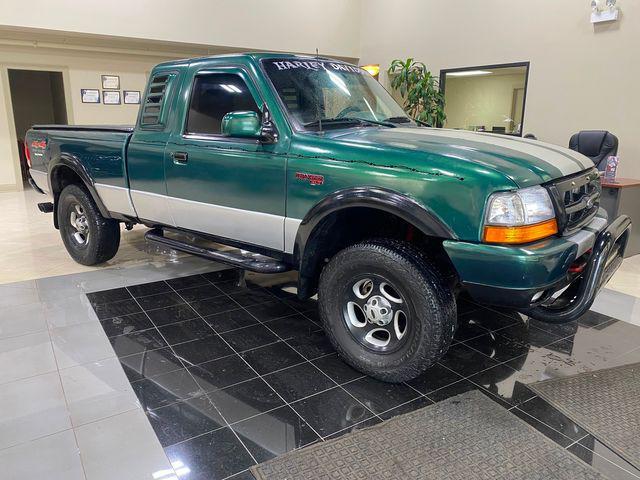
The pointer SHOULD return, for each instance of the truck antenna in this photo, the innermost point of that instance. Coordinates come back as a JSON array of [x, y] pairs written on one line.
[[318, 97]]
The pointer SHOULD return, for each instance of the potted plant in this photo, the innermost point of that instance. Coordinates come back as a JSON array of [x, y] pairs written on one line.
[[420, 90]]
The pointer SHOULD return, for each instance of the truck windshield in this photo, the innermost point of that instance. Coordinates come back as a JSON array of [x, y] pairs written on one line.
[[322, 94]]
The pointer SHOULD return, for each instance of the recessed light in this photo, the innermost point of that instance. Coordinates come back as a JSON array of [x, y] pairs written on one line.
[[469, 73]]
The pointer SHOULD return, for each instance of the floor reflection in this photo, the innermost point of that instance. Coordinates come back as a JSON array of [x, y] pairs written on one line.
[[232, 375]]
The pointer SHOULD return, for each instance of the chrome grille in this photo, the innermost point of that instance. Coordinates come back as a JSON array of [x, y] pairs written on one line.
[[578, 199]]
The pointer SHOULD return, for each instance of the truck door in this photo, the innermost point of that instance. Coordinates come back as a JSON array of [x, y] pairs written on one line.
[[232, 188], [146, 150]]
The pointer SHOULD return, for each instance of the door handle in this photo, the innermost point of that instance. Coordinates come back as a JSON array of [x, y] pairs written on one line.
[[180, 158]]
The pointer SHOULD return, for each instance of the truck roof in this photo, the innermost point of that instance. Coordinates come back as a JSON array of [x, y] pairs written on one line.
[[256, 56]]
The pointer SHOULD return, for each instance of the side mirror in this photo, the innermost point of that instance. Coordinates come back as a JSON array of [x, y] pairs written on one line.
[[268, 133], [243, 124]]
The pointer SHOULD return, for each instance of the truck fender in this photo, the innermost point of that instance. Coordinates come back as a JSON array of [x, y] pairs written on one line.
[[77, 167], [383, 199]]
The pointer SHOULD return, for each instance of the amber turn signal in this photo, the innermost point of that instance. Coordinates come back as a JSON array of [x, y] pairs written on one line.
[[521, 234]]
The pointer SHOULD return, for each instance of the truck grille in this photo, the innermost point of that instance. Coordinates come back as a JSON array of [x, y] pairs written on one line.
[[577, 199]]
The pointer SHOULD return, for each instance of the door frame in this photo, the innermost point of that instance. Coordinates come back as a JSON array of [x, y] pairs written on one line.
[[11, 122]]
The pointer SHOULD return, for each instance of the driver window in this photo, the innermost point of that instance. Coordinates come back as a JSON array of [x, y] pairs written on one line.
[[213, 96]]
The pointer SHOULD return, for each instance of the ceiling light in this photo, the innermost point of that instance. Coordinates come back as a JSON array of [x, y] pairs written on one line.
[[469, 73], [373, 70], [604, 11]]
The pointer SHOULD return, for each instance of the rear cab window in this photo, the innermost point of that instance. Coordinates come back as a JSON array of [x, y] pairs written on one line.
[[154, 111]]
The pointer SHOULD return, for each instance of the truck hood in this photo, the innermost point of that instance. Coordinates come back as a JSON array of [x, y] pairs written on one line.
[[525, 162]]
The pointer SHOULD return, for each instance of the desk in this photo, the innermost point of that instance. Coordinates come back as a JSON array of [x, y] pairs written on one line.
[[623, 197]]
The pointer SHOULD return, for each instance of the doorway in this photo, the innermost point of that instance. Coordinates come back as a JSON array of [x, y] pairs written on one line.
[[37, 97]]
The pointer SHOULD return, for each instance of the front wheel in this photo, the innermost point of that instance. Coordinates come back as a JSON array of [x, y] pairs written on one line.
[[88, 236], [386, 309]]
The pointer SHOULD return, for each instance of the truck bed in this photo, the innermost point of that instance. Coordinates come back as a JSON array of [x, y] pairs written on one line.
[[100, 148], [87, 128]]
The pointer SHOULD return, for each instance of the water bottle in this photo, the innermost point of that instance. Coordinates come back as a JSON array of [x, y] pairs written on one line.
[[611, 168]]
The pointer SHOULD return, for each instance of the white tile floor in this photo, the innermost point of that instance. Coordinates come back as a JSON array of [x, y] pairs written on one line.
[[65, 400], [58, 458], [124, 447], [32, 249], [32, 408], [97, 390]]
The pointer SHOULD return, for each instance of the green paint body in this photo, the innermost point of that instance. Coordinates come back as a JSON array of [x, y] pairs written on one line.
[[241, 125], [450, 178]]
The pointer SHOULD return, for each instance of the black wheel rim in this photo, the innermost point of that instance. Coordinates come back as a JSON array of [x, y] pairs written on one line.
[[376, 313]]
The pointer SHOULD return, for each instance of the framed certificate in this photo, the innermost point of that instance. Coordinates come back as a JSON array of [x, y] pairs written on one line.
[[110, 82], [111, 97], [131, 96], [90, 95]]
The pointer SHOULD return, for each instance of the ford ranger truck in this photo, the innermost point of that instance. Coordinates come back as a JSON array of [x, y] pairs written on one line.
[[309, 164]]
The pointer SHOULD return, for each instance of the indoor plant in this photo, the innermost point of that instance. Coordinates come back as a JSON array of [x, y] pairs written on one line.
[[419, 89]]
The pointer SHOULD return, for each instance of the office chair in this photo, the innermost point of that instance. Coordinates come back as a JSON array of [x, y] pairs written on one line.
[[595, 144]]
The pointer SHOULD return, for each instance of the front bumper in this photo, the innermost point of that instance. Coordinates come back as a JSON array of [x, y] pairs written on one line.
[[528, 278]]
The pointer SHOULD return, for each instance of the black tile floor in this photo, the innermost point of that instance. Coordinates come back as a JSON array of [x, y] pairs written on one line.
[[230, 376]]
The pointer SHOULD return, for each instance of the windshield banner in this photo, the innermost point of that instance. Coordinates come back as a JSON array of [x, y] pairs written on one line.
[[316, 65]]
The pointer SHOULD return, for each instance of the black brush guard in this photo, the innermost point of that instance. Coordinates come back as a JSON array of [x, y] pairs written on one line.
[[606, 256]]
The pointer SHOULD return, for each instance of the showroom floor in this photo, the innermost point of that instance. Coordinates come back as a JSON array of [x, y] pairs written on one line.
[[158, 366], [32, 248], [120, 374]]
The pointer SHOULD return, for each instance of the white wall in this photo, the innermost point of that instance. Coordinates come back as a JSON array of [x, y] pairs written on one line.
[[80, 70], [332, 26], [581, 77]]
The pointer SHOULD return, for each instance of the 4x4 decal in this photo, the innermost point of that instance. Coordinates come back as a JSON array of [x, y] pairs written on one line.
[[312, 178]]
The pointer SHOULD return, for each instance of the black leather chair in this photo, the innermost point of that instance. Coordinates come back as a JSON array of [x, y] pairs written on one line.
[[595, 144]]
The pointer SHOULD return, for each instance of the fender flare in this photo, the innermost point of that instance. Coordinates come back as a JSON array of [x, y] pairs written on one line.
[[383, 199], [79, 169]]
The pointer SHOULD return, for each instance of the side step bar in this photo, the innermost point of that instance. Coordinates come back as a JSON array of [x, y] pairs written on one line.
[[45, 207], [249, 261]]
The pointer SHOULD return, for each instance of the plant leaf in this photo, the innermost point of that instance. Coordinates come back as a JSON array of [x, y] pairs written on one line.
[[420, 90]]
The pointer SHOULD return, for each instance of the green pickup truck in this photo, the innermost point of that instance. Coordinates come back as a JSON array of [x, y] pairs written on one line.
[[308, 164]]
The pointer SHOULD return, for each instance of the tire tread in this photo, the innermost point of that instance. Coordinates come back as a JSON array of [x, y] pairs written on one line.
[[106, 231], [423, 276]]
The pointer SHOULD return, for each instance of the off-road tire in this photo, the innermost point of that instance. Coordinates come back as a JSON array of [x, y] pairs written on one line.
[[103, 235], [431, 303]]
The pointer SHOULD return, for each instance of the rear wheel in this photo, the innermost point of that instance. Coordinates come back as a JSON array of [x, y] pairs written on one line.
[[88, 236], [387, 310]]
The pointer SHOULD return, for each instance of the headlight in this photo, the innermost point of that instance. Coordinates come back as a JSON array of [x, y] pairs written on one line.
[[520, 216]]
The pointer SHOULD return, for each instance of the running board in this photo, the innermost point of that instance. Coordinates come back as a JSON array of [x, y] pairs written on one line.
[[45, 207], [247, 261]]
